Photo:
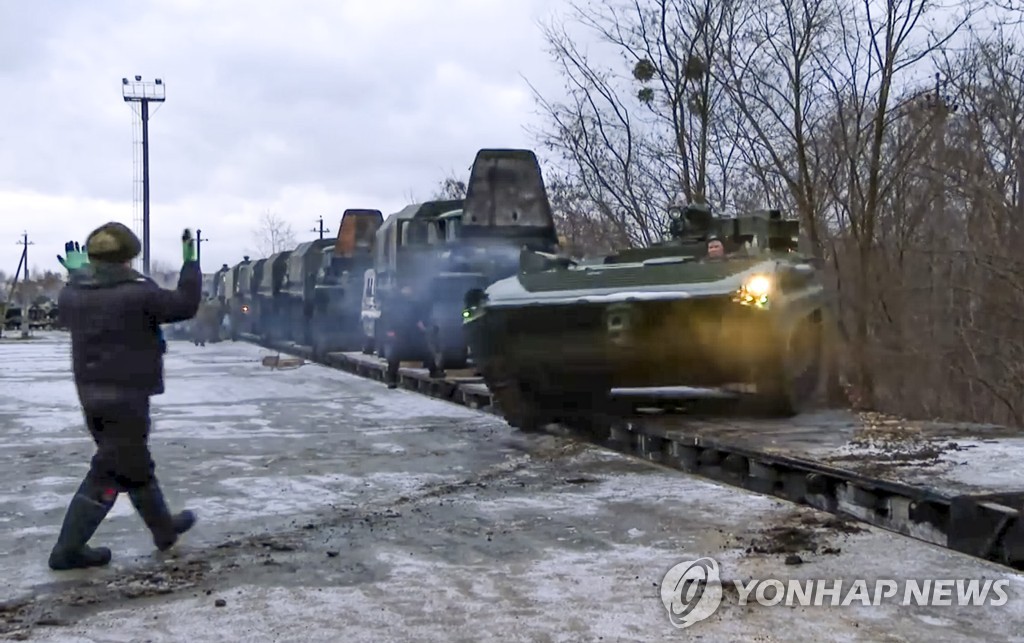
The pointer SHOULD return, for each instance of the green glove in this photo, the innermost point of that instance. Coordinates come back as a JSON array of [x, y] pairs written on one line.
[[75, 257], [188, 246]]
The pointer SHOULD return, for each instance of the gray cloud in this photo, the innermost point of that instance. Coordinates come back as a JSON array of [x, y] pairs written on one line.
[[304, 108]]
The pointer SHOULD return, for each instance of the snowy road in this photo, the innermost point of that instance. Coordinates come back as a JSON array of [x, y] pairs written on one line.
[[333, 509]]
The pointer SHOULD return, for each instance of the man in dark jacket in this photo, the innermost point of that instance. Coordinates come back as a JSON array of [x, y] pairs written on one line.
[[114, 314], [410, 330]]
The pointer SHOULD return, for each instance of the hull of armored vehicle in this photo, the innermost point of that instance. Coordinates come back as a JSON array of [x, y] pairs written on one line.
[[557, 341]]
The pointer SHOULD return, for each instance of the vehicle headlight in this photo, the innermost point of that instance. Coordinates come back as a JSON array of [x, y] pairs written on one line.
[[474, 302], [755, 291], [245, 309], [758, 286]]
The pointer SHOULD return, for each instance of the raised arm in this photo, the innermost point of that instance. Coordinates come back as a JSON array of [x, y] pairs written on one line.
[[182, 303]]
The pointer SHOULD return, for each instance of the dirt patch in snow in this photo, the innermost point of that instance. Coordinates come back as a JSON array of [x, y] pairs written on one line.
[[803, 533]]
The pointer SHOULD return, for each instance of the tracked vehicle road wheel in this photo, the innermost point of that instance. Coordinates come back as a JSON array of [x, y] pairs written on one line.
[[519, 402], [791, 384], [521, 408], [584, 404]]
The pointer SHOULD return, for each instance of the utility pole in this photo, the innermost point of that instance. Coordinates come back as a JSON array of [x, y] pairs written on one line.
[[144, 93], [199, 246], [25, 303], [321, 229]]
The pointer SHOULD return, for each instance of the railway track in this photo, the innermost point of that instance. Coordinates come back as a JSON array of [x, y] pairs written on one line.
[[987, 526]]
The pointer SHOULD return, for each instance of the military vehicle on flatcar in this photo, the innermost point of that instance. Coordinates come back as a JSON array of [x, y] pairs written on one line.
[[271, 316], [296, 293], [335, 323], [242, 306], [554, 340], [405, 263]]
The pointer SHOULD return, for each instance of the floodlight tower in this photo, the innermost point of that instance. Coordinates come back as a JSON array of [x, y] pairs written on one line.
[[144, 93]]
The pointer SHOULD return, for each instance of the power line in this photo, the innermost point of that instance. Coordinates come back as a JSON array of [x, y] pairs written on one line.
[[199, 246], [24, 243], [321, 229]]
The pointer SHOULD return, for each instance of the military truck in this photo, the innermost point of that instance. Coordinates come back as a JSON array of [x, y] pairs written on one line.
[[242, 309], [337, 294], [272, 319], [296, 296], [403, 257], [217, 283], [553, 341], [12, 318]]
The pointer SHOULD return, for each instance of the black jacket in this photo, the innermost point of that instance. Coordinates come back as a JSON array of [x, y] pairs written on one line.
[[405, 313], [114, 316]]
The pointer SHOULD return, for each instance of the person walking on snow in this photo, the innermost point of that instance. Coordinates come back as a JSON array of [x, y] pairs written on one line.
[[114, 315]]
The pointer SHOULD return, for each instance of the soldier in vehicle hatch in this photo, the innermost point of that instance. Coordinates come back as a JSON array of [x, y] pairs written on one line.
[[716, 249], [409, 325]]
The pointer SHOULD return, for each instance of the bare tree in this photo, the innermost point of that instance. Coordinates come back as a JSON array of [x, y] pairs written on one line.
[[273, 235], [450, 188], [598, 133], [881, 50], [911, 190]]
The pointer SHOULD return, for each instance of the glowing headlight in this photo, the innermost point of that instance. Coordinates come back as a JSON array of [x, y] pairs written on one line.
[[245, 309], [755, 291], [758, 286]]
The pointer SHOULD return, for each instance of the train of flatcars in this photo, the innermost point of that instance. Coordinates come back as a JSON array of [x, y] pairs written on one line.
[[340, 294], [548, 334]]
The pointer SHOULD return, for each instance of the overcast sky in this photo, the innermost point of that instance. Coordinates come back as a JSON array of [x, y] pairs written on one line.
[[300, 107]]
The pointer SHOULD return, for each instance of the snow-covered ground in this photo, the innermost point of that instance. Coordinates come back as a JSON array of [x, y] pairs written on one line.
[[333, 509], [247, 447]]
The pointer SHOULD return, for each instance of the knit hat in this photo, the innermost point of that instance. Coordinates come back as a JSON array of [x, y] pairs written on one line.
[[113, 242]]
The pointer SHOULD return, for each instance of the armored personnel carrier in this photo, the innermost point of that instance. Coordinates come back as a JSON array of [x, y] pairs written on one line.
[[271, 314], [337, 294], [554, 340], [296, 294]]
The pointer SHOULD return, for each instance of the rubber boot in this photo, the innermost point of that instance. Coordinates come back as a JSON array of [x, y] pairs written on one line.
[[87, 509], [165, 527]]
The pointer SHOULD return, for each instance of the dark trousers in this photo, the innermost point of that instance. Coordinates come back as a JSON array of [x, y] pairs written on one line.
[[395, 348], [119, 424]]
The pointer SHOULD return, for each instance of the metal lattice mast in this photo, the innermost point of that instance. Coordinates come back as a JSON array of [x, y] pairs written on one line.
[[143, 93], [136, 181]]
